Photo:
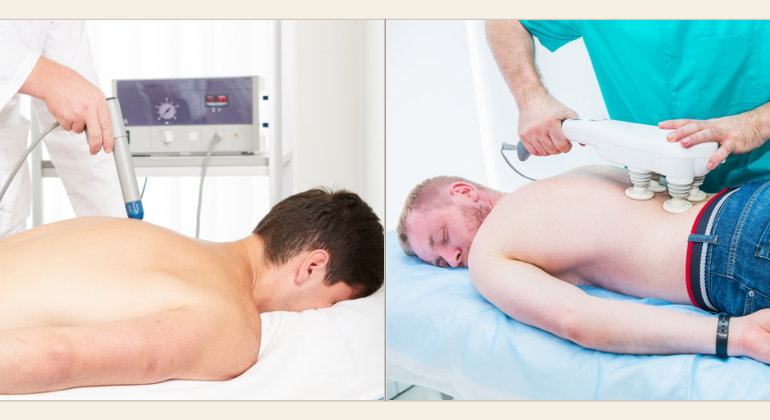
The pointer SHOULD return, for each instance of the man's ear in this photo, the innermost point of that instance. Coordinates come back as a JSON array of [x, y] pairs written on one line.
[[464, 190], [313, 267]]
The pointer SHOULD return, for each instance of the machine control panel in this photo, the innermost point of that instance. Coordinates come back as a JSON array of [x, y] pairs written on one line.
[[182, 116]]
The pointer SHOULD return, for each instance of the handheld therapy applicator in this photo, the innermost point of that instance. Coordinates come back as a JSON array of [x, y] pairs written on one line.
[[123, 161], [647, 154], [124, 164]]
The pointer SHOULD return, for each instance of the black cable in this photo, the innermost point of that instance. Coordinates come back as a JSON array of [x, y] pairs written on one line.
[[399, 394], [507, 146]]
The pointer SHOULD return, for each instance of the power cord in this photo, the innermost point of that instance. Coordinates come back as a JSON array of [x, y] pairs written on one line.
[[507, 146], [24, 158], [145, 186], [217, 138]]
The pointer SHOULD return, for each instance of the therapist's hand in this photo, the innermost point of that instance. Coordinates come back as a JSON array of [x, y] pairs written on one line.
[[73, 101], [540, 118], [740, 133]]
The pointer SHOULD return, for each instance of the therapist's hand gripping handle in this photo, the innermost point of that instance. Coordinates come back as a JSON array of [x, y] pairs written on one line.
[[522, 151], [123, 162]]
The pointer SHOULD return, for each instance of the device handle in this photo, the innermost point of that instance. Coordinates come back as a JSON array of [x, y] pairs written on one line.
[[522, 151], [121, 152]]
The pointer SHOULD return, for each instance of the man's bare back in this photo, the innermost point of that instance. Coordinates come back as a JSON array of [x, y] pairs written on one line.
[[50, 277], [155, 305], [527, 250], [580, 227]]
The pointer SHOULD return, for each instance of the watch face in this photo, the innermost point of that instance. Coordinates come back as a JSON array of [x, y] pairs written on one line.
[[167, 110]]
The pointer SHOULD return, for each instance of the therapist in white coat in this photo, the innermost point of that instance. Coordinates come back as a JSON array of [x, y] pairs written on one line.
[[51, 61]]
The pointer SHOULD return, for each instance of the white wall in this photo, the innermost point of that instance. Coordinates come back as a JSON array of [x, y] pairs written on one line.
[[449, 109], [432, 126], [373, 119], [324, 112], [336, 106]]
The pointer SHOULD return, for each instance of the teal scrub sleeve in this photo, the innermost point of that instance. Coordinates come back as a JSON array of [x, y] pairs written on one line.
[[553, 34]]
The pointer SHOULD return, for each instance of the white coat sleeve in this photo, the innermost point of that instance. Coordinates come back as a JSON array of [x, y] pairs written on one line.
[[16, 64]]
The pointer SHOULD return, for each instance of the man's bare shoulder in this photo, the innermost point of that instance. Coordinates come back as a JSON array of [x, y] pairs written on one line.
[[521, 217]]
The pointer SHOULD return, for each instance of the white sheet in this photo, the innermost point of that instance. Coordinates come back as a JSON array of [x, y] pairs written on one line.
[[336, 353]]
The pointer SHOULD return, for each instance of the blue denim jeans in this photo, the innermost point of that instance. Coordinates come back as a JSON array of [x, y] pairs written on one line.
[[733, 252]]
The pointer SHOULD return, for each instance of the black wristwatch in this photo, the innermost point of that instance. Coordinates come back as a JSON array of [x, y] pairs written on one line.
[[723, 326]]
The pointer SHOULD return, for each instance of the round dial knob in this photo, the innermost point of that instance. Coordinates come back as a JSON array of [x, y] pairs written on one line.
[[167, 110], [167, 136]]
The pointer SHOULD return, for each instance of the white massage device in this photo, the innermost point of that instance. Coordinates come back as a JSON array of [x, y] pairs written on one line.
[[647, 153]]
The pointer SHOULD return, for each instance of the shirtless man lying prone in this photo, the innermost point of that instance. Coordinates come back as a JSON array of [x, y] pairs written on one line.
[[102, 301], [532, 247]]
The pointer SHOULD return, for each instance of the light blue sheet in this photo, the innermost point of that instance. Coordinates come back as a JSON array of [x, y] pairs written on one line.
[[442, 330]]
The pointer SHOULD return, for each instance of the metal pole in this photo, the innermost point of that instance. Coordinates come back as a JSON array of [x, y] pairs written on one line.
[[274, 125], [36, 169]]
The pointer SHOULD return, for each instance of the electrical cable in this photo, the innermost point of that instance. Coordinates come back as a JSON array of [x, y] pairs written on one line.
[[507, 146], [145, 186], [24, 158], [216, 139]]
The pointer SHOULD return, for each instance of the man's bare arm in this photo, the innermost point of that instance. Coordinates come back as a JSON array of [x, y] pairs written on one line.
[[180, 344], [540, 114], [532, 296]]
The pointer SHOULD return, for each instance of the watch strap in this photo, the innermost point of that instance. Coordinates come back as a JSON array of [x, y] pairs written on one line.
[[723, 326]]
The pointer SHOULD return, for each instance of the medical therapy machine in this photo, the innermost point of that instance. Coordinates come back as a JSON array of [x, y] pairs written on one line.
[[123, 161], [648, 155], [184, 116], [168, 118]]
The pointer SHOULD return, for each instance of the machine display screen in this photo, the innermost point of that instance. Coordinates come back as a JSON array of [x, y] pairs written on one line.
[[216, 100], [226, 100]]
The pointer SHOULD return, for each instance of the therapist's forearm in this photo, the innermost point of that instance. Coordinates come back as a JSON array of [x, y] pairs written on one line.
[[44, 75], [514, 51], [761, 116]]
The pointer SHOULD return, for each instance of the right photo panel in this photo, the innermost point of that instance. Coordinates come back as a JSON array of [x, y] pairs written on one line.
[[577, 210]]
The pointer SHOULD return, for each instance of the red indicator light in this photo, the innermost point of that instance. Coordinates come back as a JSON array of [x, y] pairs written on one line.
[[216, 100]]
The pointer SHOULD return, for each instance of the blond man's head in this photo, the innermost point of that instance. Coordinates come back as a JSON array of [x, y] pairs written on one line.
[[439, 193]]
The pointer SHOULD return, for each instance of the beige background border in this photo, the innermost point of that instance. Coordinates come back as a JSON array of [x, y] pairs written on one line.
[[379, 410], [387, 9], [390, 9]]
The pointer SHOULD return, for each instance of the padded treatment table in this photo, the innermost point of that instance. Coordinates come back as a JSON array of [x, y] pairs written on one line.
[[443, 335]]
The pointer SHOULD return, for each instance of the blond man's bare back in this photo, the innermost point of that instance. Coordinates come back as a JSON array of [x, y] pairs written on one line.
[[540, 241], [580, 227], [143, 302]]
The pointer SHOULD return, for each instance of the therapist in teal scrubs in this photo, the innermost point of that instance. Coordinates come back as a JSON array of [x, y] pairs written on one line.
[[705, 79]]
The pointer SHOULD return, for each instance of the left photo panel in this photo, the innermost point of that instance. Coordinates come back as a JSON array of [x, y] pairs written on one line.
[[192, 210]]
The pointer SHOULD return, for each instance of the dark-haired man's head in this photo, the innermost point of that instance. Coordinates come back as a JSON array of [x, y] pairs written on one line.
[[440, 218], [330, 242]]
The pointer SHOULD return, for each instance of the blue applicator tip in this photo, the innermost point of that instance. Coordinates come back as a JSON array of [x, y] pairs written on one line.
[[135, 210]]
